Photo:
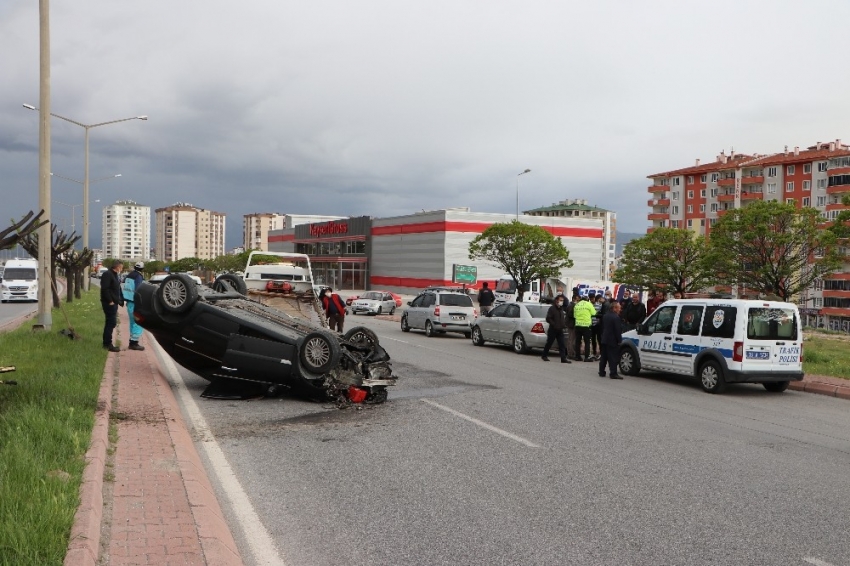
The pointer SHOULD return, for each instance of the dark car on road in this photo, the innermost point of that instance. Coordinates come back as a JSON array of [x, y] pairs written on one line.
[[245, 348]]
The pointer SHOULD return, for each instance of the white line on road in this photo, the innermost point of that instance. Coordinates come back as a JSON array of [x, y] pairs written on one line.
[[482, 424], [258, 538], [816, 562]]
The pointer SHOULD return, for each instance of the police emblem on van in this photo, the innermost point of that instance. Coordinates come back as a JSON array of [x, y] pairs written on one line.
[[718, 318]]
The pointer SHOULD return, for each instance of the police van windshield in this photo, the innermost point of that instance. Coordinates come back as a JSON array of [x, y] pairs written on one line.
[[771, 324], [505, 286], [19, 274]]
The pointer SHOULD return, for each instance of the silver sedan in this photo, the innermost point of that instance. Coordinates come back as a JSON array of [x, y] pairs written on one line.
[[519, 325]]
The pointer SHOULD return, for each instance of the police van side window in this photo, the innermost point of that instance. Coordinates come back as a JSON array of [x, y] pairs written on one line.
[[771, 324], [719, 321], [689, 320], [662, 320]]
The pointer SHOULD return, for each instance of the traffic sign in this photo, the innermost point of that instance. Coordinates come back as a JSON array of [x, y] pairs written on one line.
[[467, 274]]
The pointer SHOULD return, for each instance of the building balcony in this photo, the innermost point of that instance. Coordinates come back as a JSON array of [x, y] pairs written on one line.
[[838, 189], [722, 212], [730, 182], [838, 171], [836, 294], [658, 216], [726, 198], [658, 188], [835, 311], [835, 206], [752, 180], [747, 195], [658, 202]]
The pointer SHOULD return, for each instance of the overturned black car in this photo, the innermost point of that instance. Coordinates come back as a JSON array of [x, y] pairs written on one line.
[[245, 348]]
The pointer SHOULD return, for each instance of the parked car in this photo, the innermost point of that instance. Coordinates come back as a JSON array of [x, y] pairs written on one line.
[[522, 326], [719, 341], [245, 348], [374, 302], [438, 312]]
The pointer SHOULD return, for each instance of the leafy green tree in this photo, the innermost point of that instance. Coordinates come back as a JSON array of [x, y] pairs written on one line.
[[666, 258], [185, 264], [773, 247], [841, 225], [524, 251], [152, 267]]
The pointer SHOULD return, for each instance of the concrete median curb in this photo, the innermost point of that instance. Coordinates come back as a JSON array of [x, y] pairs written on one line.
[[823, 385]]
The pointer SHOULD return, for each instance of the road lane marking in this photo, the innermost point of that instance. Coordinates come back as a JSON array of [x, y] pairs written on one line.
[[482, 424], [258, 538], [816, 562]]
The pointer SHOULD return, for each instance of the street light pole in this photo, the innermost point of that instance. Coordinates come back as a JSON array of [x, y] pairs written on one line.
[[73, 208], [45, 297], [517, 191], [87, 127]]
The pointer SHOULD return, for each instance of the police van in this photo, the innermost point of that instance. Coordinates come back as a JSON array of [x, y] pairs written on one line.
[[719, 341]]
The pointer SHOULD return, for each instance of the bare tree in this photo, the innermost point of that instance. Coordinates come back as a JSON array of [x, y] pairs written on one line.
[[61, 244], [10, 237]]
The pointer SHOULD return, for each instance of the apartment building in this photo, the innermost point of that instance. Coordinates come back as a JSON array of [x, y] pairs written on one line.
[[256, 227], [183, 230], [578, 208], [819, 176], [126, 231]]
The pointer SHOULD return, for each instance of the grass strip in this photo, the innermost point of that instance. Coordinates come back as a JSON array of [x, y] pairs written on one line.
[[826, 355], [46, 423]]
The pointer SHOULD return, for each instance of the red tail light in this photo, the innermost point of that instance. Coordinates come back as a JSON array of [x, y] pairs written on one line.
[[801, 352], [436, 311], [474, 313], [738, 352], [538, 328]]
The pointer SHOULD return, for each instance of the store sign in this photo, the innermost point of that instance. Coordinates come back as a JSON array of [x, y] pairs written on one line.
[[331, 228], [464, 274]]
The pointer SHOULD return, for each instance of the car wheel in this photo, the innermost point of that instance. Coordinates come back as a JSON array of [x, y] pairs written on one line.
[[520, 346], [361, 335], [429, 329], [477, 337], [177, 293], [629, 364], [319, 352], [404, 326], [229, 282], [379, 311], [392, 310], [711, 377], [776, 386]]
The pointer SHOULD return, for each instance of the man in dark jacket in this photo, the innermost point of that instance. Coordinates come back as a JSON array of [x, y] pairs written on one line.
[[555, 318], [486, 298], [110, 299], [610, 342], [635, 312]]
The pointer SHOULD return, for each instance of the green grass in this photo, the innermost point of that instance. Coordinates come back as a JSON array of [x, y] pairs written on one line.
[[45, 428], [826, 356]]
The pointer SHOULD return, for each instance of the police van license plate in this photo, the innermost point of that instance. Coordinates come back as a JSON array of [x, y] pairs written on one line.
[[751, 355]]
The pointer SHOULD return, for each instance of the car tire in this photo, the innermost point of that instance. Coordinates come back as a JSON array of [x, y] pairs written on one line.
[[405, 327], [477, 337], [177, 293], [380, 310], [629, 363], [519, 345], [711, 377], [360, 334], [320, 352], [228, 282], [776, 386], [392, 311], [429, 329]]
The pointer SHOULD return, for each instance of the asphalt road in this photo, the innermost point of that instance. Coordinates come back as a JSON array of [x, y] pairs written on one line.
[[14, 310], [484, 457]]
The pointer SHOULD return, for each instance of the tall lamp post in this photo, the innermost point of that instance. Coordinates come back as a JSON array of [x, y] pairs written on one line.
[[87, 127], [517, 190], [73, 208], [92, 182]]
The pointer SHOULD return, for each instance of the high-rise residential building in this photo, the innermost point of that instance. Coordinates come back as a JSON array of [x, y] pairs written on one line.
[[256, 226], [818, 177], [127, 231], [183, 230], [578, 208]]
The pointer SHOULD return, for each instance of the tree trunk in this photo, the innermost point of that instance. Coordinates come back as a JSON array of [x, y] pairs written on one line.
[[69, 285], [54, 291], [78, 277]]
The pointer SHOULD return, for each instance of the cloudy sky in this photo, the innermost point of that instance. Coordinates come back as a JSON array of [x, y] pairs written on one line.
[[389, 107]]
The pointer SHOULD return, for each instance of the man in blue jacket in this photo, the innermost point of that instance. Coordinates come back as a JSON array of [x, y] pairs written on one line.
[[131, 283]]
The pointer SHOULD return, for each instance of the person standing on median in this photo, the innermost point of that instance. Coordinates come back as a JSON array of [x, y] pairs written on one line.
[[131, 283], [612, 335], [110, 300], [555, 332], [486, 298], [583, 313]]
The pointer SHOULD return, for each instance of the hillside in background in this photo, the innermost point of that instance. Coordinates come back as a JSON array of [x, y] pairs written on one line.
[[624, 238]]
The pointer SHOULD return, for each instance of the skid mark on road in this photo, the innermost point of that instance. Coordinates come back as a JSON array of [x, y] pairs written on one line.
[[482, 424]]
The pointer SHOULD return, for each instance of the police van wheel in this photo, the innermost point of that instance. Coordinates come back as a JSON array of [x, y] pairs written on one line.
[[711, 377], [629, 364], [776, 386]]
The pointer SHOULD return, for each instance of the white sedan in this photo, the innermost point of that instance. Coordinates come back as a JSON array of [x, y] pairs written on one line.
[[374, 302]]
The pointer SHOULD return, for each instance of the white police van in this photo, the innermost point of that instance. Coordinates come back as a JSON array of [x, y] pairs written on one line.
[[719, 341]]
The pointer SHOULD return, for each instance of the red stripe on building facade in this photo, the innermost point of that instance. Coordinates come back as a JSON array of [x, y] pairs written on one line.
[[477, 228], [282, 238], [415, 282]]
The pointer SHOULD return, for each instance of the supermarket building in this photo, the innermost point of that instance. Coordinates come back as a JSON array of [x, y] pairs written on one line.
[[405, 254]]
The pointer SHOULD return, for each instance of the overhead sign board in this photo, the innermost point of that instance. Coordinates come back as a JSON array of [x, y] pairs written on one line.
[[467, 274]]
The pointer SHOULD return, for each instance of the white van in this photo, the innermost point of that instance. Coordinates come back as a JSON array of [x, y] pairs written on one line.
[[719, 341], [20, 281]]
